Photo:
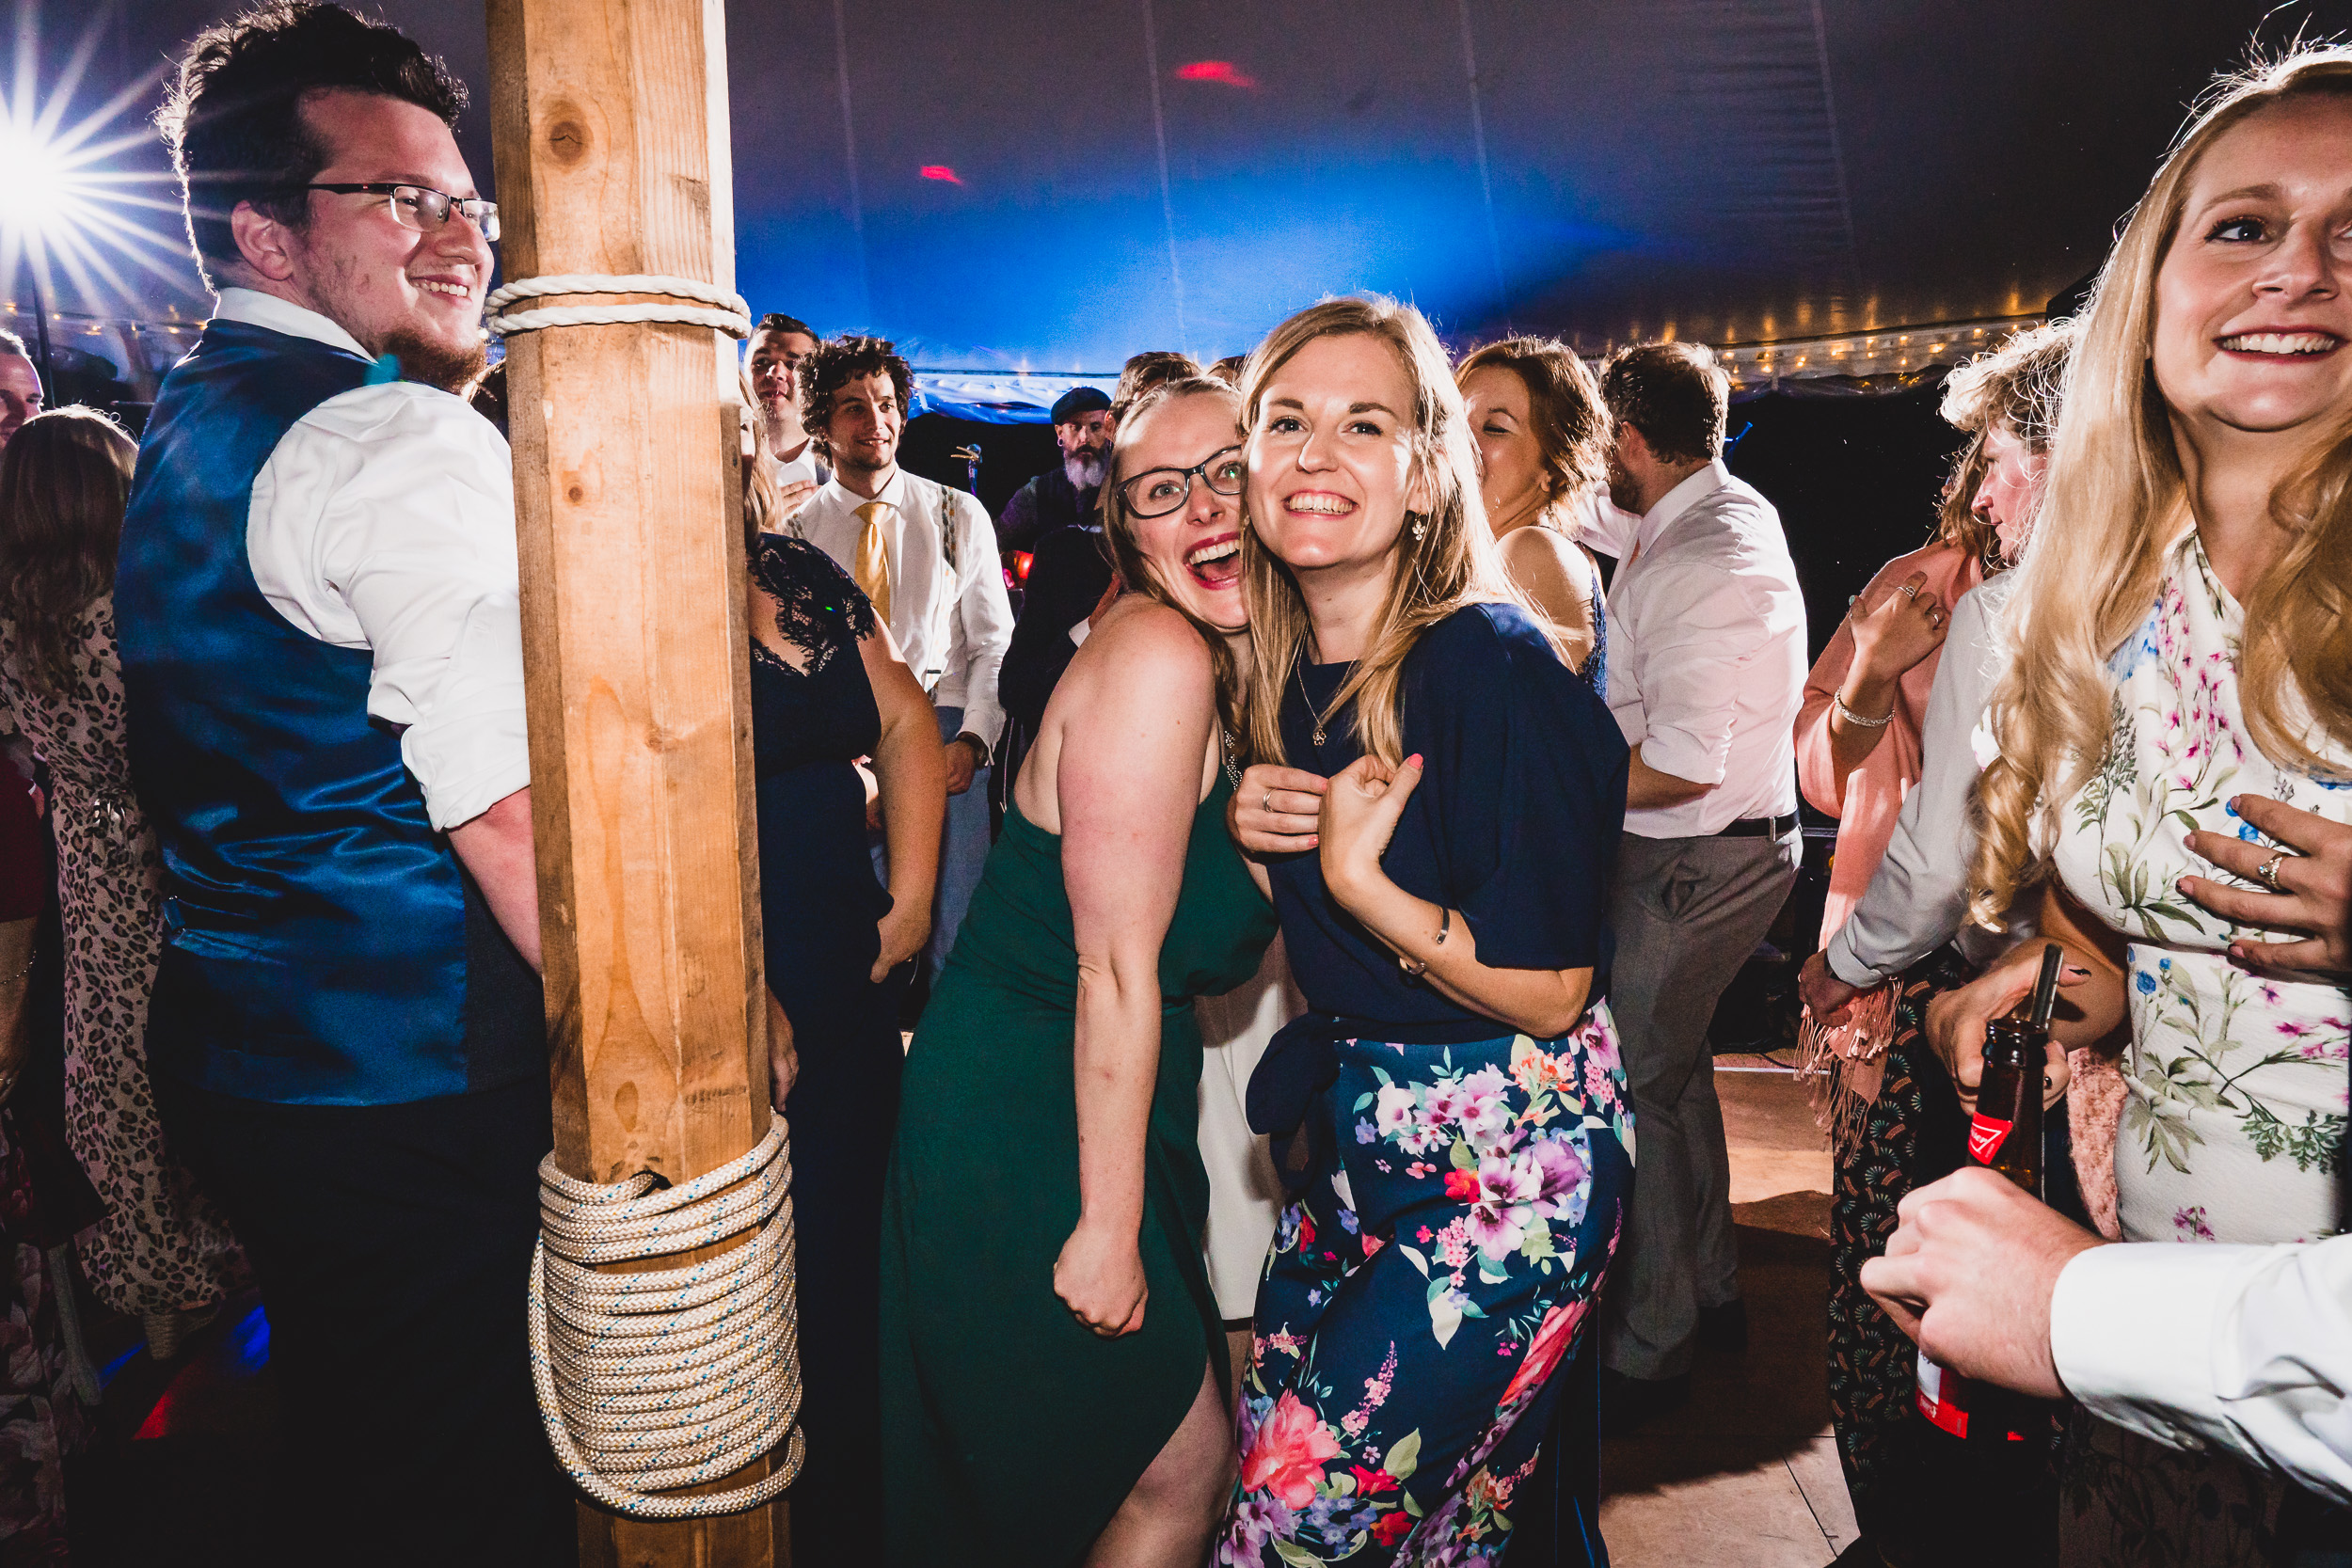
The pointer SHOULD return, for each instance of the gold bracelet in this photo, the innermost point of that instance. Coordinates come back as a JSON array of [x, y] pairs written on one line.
[[1415, 971], [1850, 717]]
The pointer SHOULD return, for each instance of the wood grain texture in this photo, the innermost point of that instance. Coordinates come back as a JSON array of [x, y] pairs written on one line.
[[609, 127]]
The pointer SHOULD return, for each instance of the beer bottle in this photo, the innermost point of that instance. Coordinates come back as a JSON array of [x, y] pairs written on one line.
[[2005, 1134]]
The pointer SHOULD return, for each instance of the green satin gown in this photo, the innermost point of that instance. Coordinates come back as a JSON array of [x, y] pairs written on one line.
[[1011, 1433]]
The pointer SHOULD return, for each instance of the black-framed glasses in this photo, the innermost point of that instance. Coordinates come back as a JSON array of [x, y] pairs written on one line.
[[422, 208], [1157, 491]]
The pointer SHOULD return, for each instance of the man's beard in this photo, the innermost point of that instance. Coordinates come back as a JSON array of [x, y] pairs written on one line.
[[1085, 468], [434, 363]]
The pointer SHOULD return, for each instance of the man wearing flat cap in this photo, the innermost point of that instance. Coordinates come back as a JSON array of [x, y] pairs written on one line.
[[1063, 496], [1054, 516]]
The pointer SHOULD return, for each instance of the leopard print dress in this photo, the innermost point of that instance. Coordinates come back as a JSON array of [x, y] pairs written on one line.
[[162, 1245]]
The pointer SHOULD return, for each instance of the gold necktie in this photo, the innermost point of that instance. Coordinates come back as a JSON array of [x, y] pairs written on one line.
[[871, 567]]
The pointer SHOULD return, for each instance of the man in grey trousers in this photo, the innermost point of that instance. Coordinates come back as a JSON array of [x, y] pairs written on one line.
[[1707, 664]]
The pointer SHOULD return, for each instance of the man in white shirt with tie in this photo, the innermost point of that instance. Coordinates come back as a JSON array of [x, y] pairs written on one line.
[[925, 554], [1707, 664]]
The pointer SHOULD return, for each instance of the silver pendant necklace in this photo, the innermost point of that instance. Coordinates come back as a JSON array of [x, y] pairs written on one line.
[[1299, 668]]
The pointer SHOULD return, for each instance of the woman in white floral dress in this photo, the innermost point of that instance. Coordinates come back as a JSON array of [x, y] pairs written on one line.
[[161, 1252], [2173, 740]]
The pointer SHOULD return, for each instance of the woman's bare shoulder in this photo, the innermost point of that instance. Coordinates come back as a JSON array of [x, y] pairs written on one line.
[[1141, 638]]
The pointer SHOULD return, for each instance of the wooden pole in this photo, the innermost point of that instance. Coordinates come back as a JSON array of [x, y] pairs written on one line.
[[608, 119]]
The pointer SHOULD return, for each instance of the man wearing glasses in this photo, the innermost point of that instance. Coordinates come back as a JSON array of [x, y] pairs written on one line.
[[317, 607]]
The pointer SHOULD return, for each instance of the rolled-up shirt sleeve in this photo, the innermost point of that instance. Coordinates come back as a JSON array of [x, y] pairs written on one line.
[[416, 538], [1688, 669], [2242, 1348]]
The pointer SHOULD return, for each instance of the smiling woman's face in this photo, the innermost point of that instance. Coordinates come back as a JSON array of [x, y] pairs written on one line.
[[2253, 323], [1512, 479], [1195, 551], [1331, 455]]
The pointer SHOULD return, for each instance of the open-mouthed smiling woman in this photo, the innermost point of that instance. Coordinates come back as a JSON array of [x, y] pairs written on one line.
[[1437, 798], [1054, 1363]]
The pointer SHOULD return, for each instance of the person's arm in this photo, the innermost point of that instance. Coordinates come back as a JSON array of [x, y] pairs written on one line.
[[1918, 895], [983, 615], [2246, 1348], [496, 849], [1135, 716], [1887, 632], [1701, 627], [912, 768], [409, 552], [1360, 813], [1649, 788]]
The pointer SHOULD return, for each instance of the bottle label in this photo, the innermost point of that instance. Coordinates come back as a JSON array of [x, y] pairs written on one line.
[[1942, 1397], [1986, 1136]]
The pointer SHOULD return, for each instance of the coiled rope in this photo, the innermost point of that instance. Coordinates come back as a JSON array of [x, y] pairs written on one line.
[[677, 1377], [732, 315]]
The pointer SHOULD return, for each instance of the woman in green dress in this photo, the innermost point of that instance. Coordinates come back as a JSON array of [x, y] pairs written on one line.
[[1054, 1364]]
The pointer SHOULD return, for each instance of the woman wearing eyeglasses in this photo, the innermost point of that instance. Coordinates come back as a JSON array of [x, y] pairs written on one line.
[[1053, 1364]]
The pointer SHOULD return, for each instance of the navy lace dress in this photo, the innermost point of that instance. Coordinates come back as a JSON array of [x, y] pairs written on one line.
[[818, 906]]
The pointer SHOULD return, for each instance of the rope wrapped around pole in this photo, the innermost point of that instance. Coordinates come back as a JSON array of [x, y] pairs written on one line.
[[648, 1382], [732, 315]]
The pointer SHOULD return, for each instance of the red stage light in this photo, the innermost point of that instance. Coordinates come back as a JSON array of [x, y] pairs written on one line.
[[940, 171], [1223, 72]]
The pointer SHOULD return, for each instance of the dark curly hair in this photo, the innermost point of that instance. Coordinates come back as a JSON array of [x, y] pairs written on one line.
[[844, 360], [1674, 394], [1564, 411], [233, 117]]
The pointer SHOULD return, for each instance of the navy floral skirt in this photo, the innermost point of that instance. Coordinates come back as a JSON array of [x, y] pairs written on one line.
[[1459, 1215]]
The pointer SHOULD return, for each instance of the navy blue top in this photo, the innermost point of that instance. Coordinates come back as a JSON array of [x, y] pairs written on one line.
[[1514, 826], [322, 944]]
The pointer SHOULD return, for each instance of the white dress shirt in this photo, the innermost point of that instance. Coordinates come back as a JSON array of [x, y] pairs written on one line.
[[951, 618], [1707, 655], [2242, 1348], [1918, 897], [384, 520]]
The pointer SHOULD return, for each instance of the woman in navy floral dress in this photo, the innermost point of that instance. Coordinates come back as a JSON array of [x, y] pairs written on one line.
[[1439, 798]]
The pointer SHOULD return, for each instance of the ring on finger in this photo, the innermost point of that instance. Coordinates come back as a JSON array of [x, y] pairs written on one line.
[[1267, 805], [1908, 592], [2268, 871]]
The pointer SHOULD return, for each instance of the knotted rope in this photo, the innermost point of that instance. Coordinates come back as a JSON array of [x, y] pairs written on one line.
[[732, 316], [649, 1382]]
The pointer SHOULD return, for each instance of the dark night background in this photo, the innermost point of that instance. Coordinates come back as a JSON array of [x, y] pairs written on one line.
[[1731, 170]]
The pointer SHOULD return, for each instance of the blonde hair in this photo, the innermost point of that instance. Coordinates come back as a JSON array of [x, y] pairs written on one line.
[[2115, 503], [1452, 564], [2022, 385]]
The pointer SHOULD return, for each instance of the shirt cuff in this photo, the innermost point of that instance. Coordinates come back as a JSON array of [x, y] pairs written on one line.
[[2134, 1331], [1839, 956]]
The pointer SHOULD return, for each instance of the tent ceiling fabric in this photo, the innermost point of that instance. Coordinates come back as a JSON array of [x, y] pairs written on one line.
[[1730, 171]]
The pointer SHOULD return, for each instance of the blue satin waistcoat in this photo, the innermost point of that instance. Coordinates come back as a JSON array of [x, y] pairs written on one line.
[[323, 945]]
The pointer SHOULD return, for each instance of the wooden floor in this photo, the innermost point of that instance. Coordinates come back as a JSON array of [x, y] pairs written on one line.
[[1747, 1473]]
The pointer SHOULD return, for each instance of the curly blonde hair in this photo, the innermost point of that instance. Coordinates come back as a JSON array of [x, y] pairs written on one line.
[[2114, 505]]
